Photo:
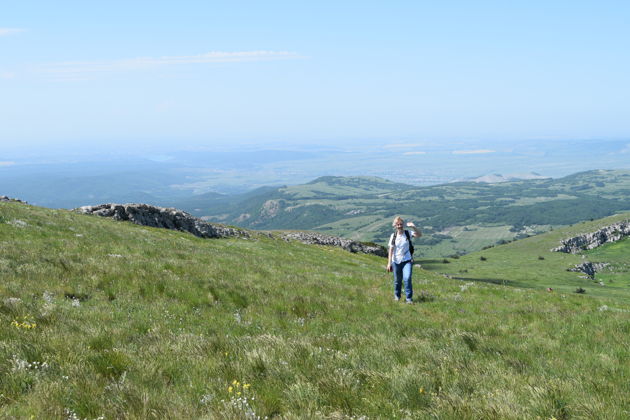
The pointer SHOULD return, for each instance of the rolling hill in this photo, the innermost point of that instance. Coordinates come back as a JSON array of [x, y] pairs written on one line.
[[106, 319], [456, 218], [531, 262]]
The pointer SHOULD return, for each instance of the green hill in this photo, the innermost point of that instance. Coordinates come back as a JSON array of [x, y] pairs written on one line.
[[456, 218], [531, 262], [105, 319]]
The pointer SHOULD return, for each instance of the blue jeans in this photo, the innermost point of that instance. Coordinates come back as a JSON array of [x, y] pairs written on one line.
[[402, 272]]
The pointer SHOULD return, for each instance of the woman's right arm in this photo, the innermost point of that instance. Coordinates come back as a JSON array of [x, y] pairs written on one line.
[[389, 258]]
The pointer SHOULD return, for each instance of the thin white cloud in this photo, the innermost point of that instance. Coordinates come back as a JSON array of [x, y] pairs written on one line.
[[6, 75], [10, 31], [402, 145], [626, 149], [6, 163], [415, 153], [472, 152], [77, 68]]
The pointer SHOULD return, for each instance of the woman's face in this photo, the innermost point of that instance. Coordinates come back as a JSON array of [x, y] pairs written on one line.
[[399, 224]]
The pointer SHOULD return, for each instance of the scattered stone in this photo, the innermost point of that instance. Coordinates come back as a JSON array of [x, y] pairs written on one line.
[[312, 238]]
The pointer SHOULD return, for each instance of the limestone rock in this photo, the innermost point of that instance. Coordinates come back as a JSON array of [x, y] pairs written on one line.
[[161, 217], [6, 199], [347, 244], [592, 240], [170, 218], [589, 268]]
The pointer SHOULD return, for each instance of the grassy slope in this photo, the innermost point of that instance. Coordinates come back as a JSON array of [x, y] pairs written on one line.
[[519, 264], [165, 322]]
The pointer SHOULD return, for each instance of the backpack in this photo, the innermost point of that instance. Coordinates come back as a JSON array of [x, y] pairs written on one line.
[[408, 240]]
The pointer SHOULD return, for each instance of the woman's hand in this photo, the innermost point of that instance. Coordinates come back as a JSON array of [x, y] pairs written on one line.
[[389, 267], [416, 231]]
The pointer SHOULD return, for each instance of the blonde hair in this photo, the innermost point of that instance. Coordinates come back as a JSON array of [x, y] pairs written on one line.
[[396, 219]]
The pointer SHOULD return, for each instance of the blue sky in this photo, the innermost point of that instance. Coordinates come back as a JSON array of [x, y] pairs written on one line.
[[90, 74]]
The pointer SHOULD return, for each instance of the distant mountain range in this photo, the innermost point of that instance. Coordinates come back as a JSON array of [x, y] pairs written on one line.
[[456, 218], [495, 178]]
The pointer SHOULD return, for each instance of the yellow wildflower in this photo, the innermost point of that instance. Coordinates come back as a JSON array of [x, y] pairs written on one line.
[[230, 389]]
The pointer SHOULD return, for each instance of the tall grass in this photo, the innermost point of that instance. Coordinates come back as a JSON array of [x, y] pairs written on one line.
[[107, 319]]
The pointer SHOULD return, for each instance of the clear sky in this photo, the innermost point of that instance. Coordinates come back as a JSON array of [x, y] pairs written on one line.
[[125, 73]]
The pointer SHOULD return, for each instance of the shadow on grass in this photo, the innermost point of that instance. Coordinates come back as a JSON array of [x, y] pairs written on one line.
[[502, 282]]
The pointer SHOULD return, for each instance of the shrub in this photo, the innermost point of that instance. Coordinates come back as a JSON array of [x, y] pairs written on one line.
[[580, 290], [482, 258], [541, 258], [445, 261], [424, 296]]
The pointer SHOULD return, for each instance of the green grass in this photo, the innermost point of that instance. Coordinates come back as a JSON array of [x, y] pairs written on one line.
[[531, 263], [617, 274], [131, 322]]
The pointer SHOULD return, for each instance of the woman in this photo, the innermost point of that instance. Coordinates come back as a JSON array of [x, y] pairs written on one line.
[[399, 260]]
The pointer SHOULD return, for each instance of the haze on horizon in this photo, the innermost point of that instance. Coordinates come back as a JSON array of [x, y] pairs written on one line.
[[144, 75]]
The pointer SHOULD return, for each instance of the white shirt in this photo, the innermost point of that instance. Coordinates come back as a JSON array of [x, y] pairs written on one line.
[[401, 247]]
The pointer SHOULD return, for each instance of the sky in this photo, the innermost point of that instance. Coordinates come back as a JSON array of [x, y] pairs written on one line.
[[160, 74]]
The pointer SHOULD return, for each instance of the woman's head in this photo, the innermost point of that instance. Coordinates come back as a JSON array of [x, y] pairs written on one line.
[[398, 222]]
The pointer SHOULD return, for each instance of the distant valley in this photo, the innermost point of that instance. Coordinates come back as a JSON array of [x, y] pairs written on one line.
[[456, 218]]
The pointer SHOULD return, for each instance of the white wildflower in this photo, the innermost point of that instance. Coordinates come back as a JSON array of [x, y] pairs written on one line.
[[206, 399], [12, 301], [48, 297]]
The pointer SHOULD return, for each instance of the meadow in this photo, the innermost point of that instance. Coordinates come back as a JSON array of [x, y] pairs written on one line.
[[530, 262], [105, 319]]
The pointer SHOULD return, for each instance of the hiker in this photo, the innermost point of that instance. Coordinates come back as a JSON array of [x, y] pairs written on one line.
[[400, 258]]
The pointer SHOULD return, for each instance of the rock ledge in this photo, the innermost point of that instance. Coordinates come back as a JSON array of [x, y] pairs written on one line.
[[592, 240], [161, 217]]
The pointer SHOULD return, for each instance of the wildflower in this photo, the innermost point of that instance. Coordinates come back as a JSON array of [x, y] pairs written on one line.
[[421, 390], [246, 386], [25, 324], [230, 389]]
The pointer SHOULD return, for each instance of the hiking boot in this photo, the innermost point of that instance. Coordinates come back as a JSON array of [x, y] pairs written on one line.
[[396, 299], [409, 301]]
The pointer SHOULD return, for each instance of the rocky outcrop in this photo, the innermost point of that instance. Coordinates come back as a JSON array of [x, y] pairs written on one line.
[[592, 240], [168, 218], [4, 198], [347, 244], [589, 268]]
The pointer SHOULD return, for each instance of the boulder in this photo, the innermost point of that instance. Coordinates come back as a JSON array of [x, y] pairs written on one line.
[[589, 268]]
